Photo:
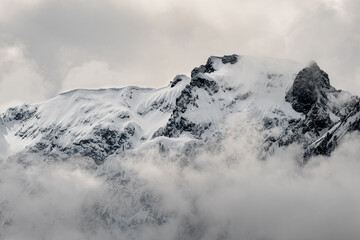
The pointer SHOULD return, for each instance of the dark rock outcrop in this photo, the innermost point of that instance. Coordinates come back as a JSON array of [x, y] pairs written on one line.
[[232, 59], [309, 87], [21, 113], [202, 82], [328, 142], [209, 66], [177, 79]]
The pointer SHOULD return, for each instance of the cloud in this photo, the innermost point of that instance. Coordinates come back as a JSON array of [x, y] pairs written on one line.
[[94, 74], [20, 78], [225, 193], [12, 8], [148, 43], [248, 199], [328, 35]]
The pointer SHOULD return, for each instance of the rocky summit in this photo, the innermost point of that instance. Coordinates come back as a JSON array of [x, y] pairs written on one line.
[[291, 104]]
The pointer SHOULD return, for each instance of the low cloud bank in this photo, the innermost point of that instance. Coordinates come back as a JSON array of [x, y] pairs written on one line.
[[223, 194]]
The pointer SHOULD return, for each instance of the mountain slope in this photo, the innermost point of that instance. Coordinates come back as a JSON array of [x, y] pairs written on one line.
[[291, 105]]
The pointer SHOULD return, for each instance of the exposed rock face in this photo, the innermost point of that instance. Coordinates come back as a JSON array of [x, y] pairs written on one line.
[[310, 86], [328, 142], [178, 124], [21, 113], [209, 68], [176, 80], [203, 82], [232, 59], [106, 142]]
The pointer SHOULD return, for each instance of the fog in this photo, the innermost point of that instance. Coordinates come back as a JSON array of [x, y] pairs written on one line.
[[225, 193]]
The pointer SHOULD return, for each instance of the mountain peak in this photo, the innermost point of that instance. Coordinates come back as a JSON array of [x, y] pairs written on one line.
[[309, 87], [319, 76]]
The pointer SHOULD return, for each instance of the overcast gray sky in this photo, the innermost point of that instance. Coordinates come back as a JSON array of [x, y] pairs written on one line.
[[49, 46]]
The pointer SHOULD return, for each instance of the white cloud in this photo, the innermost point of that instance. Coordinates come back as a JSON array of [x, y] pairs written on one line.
[[11, 8], [20, 78], [92, 75], [225, 194], [148, 43]]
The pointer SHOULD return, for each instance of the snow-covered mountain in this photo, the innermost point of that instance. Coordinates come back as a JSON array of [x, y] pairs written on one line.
[[182, 161], [291, 104]]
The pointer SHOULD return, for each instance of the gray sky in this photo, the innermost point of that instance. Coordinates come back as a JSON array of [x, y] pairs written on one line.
[[49, 46]]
